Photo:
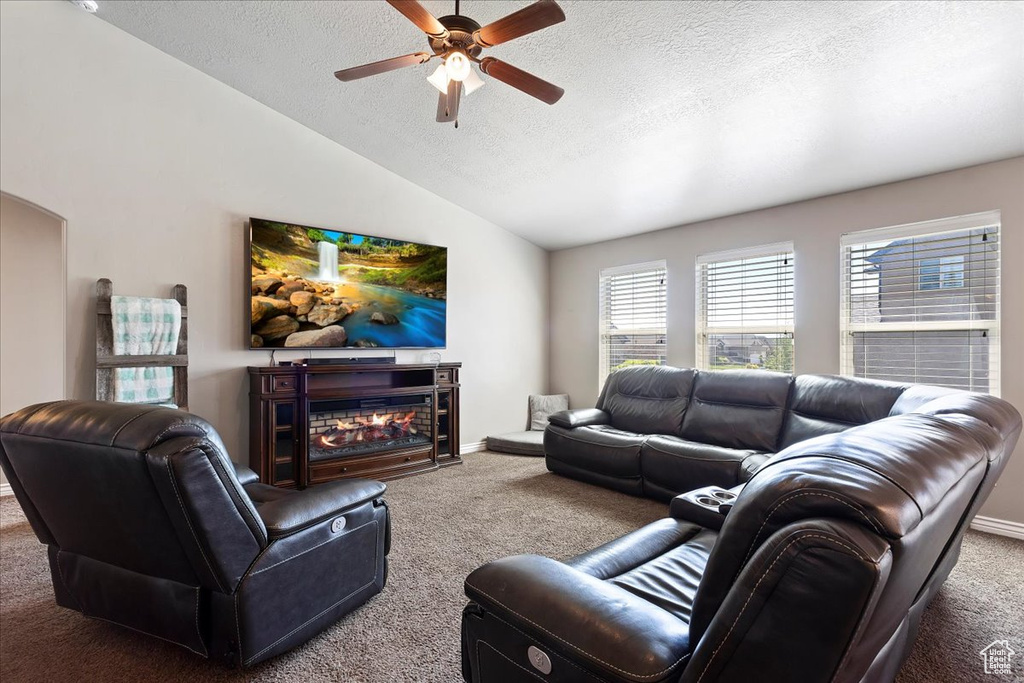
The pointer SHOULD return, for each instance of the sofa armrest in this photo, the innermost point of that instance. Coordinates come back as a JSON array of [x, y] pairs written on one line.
[[245, 475], [311, 506], [583, 417], [582, 617]]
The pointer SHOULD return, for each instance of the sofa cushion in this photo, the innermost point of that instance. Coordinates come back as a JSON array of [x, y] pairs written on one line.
[[517, 443], [825, 404], [670, 580], [738, 408], [600, 448], [542, 406], [675, 465], [647, 399]]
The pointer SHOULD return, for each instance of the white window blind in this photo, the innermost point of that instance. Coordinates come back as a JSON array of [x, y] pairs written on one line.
[[632, 309], [745, 309], [920, 303]]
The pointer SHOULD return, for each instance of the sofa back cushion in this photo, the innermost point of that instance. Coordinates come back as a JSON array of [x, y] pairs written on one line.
[[738, 408], [825, 404], [647, 399]]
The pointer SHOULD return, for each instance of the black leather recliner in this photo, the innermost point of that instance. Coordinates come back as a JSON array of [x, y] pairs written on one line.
[[148, 526], [820, 571]]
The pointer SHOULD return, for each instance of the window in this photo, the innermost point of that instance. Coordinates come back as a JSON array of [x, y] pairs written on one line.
[[632, 310], [920, 303], [745, 309], [941, 273]]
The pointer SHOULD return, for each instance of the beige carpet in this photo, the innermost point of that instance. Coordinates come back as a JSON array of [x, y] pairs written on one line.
[[446, 524]]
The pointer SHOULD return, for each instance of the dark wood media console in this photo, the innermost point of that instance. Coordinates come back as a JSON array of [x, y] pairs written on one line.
[[314, 423]]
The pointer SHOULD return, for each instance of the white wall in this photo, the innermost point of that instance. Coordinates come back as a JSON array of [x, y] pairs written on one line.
[[31, 306], [156, 167], [815, 227]]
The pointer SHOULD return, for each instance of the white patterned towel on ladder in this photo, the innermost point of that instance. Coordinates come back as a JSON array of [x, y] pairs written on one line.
[[144, 327]]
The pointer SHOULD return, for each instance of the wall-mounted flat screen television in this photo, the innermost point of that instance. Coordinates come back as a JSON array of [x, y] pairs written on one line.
[[326, 288]]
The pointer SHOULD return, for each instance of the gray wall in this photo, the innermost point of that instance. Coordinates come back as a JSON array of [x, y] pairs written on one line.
[[156, 167], [814, 227], [31, 306]]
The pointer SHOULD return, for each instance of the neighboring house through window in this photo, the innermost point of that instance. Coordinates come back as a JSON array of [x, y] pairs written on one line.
[[745, 308], [920, 303], [632, 317]]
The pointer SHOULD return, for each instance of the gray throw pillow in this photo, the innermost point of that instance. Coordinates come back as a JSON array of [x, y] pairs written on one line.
[[541, 406]]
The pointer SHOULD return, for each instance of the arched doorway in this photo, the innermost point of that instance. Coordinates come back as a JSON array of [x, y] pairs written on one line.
[[33, 286]]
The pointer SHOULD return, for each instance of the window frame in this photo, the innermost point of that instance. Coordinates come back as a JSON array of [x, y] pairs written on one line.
[[605, 333], [704, 330], [931, 228]]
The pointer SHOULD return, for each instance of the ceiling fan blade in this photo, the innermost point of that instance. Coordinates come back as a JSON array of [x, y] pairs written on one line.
[[448, 105], [382, 66], [517, 78], [418, 14], [540, 14]]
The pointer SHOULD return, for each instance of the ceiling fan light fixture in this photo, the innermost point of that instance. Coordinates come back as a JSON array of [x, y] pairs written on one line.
[[439, 79], [472, 82], [457, 65]]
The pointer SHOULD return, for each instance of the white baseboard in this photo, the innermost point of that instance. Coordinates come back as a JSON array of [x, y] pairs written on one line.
[[472, 447], [1000, 527], [6, 490]]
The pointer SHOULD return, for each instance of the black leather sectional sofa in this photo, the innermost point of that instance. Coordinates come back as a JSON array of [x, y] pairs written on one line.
[[659, 431], [816, 565]]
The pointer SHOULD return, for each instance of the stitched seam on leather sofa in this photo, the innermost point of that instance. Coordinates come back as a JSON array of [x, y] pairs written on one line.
[[60, 571], [138, 630], [756, 406], [601, 445], [334, 537], [765, 573], [303, 625], [226, 482], [581, 651], [693, 457], [862, 622], [794, 496], [827, 418], [650, 398], [859, 463], [127, 422], [188, 522], [502, 655], [204, 653], [529, 637]]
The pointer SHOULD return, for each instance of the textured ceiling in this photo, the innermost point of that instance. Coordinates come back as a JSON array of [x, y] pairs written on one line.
[[674, 111]]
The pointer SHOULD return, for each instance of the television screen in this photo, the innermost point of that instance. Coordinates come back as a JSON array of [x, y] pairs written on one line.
[[318, 288]]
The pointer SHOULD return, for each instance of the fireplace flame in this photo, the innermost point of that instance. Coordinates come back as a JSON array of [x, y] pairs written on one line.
[[375, 428]]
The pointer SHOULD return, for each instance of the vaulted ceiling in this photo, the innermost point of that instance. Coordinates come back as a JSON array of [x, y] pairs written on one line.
[[674, 111]]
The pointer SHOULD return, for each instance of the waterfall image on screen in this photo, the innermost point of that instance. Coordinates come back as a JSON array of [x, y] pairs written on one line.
[[328, 261], [321, 288]]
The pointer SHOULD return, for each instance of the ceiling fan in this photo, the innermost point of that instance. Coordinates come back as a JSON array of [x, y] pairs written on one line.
[[458, 41]]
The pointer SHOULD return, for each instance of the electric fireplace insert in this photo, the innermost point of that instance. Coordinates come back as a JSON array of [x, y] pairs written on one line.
[[344, 428]]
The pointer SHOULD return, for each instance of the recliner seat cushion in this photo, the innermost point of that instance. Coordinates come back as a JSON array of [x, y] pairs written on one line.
[[823, 404], [599, 448], [738, 409], [648, 399], [671, 465]]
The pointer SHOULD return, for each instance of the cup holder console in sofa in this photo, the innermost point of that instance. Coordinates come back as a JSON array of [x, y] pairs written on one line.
[[817, 570]]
